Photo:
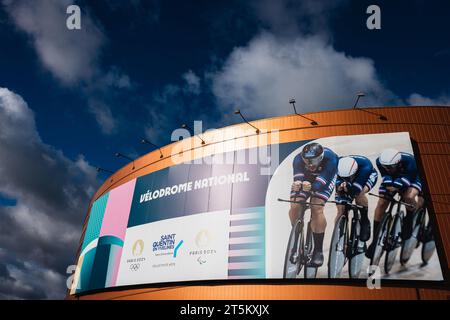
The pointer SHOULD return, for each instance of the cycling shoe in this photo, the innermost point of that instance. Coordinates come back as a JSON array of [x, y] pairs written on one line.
[[294, 258], [370, 250], [316, 259], [407, 228], [365, 230]]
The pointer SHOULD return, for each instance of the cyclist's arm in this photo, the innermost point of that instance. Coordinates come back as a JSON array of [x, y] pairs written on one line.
[[360, 181], [326, 176], [298, 174], [339, 181], [386, 184], [380, 168], [411, 171]]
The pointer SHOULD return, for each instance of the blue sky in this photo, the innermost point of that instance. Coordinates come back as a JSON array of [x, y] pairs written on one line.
[[70, 99]]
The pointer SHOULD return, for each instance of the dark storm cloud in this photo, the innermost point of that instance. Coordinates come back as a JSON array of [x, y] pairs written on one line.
[[39, 235], [4, 273], [12, 288]]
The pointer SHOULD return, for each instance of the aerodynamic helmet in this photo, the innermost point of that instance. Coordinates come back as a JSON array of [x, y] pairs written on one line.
[[347, 167], [312, 154], [390, 158]]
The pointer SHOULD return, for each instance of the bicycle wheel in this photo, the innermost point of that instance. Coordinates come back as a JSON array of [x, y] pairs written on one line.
[[428, 249], [356, 251], [336, 259], [292, 269], [410, 244], [355, 265], [310, 271], [428, 246], [380, 240], [394, 243]]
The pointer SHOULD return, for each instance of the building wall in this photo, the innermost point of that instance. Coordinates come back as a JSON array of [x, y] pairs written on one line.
[[429, 128]]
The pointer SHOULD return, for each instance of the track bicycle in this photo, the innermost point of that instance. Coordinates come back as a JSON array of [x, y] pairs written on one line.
[[346, 244], [300, 247], [388, 236], [422, 233]]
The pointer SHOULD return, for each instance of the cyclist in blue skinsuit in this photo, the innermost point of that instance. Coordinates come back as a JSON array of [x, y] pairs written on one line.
[[314, 175], [356, 177], [400, 174]]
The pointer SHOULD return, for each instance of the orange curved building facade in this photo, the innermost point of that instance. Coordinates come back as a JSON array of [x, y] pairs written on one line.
[[429, 129]]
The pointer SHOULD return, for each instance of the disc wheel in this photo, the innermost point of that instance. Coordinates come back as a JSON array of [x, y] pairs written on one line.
[[336, 259], [394, 243], [410, 244], [429, 245], [310, 271], [291, 269], [380, 240], [356, 250]]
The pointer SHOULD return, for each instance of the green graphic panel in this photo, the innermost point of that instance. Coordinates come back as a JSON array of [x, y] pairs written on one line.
[[95, 220]]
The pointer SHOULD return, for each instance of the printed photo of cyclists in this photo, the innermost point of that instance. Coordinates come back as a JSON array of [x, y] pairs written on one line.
[[224, 154], [349, 206]]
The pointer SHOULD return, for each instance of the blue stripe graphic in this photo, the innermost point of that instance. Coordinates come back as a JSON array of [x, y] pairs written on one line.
[[176, 248]]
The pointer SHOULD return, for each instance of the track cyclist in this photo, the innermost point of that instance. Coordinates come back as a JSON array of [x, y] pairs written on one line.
[[356, 176], [314, 176], [400, 175]]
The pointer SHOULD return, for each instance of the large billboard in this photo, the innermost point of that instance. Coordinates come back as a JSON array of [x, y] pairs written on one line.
[[227, 217]]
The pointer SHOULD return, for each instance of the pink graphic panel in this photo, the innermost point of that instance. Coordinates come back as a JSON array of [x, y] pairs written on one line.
[[117, 211]]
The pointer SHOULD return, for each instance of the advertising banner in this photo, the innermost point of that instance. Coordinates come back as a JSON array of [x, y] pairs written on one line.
[[336, 207]]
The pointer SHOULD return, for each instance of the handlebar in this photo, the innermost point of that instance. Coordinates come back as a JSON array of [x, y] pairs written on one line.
[[346, 203], [319, 204], [391, 199], [301, 202]]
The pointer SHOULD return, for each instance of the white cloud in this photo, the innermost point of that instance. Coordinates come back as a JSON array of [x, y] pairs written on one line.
[[262, 76], [192, 82], [103, 115], [70, 55], [417, 99], [117, 79]]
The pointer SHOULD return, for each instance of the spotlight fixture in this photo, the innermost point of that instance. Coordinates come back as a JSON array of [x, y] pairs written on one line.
[[145, 141], [185, 126], [292, 101], [245, 120]]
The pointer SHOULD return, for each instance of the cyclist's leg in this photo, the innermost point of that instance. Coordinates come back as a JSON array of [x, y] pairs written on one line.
[[340, 197], [420, 201], [318, 225], [318, 221], [296, 208], [409, 196], [361, 199], [294, 212], [380, 209], [340, 211]]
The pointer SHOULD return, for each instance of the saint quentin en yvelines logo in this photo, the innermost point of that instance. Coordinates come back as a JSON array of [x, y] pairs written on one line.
[[203, 241], [138, 248]]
